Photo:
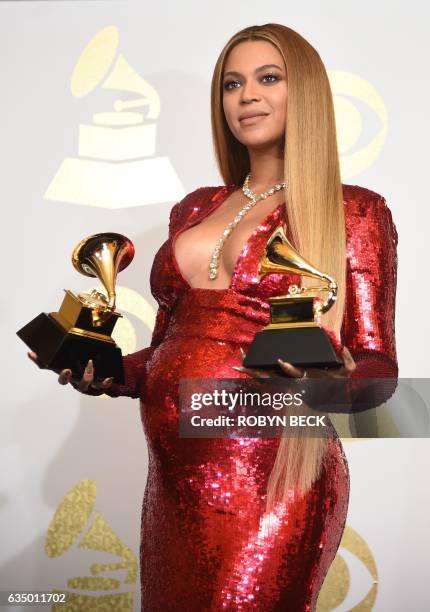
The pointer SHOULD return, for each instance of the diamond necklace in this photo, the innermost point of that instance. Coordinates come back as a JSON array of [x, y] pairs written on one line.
[[253, 199]]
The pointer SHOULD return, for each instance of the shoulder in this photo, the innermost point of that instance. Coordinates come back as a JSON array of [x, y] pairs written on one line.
[[195, 201], [355, 196], [203, 194], [366, 210]]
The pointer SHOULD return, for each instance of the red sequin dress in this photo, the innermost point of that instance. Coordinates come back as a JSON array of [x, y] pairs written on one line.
[[205, 545]]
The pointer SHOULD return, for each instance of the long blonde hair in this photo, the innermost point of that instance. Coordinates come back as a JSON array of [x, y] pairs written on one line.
[[314, 202]]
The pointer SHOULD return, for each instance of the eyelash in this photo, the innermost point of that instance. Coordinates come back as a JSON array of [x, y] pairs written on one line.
[[227, 83]]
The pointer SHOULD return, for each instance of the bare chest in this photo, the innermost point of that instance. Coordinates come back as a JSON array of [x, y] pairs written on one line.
[[193, 248]]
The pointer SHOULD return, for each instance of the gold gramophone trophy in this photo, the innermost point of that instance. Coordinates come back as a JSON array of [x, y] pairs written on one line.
[[82, 328], [293, 334]]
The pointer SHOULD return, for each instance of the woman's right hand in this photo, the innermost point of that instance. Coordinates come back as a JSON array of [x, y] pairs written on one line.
[[82, 385]]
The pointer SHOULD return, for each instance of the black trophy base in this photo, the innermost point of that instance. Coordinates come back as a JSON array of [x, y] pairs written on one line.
[[307, 347], [58, 349]]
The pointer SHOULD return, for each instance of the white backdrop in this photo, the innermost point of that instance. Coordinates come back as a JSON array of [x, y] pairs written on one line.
[[70, 464]]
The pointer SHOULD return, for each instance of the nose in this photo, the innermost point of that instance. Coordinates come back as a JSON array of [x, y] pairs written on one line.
[[250, 92]]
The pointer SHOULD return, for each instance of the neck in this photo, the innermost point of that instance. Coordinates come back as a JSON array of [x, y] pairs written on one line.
[[267, 168]]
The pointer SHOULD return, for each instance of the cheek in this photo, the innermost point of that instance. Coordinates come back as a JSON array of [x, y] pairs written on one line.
[[226, 107], [280, 102], [228, 111]]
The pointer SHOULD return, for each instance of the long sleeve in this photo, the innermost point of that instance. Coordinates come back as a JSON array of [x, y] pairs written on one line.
[[368, 328], [135, 363]]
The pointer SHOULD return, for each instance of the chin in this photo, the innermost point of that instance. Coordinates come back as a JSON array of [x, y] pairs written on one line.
[[259, 143], [258, 139]]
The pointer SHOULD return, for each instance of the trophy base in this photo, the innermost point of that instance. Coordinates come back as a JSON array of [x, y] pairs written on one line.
[[58, 349], [308, 347]]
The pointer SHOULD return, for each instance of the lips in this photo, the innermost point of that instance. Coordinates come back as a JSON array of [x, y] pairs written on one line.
[[251, 119], [252, 116]]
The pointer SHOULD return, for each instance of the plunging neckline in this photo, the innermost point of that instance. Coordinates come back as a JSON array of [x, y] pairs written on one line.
[[197, 221]]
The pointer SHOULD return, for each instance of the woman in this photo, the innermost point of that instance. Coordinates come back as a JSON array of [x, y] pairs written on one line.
[[204, 542]]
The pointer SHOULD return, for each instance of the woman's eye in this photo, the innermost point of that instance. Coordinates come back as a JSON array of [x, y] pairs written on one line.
[[272, 76], [232, 84], [228, 83]]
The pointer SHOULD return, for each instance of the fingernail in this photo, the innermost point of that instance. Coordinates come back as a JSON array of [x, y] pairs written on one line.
[[242, 352], [89, 364], [109, 381], [237, 368], [282, 362]]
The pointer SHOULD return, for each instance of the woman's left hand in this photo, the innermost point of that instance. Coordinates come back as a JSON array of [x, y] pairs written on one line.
[[291, 371]]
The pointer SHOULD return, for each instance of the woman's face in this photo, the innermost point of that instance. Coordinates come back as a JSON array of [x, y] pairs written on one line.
[[254, 83]]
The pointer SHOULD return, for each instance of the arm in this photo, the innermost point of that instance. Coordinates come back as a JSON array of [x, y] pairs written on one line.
[[368, 328], [134, 364]]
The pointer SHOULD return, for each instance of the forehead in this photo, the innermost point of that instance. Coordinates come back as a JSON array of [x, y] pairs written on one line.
[[250, 54]]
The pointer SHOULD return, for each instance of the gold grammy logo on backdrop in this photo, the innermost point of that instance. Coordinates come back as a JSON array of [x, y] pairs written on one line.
[[116, 166], [66, 530]]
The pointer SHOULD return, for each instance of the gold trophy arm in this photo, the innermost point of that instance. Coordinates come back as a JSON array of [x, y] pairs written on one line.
[[101, 314], [332, 294]]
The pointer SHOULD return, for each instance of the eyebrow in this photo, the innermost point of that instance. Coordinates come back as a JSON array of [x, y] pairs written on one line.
[[259, 69]]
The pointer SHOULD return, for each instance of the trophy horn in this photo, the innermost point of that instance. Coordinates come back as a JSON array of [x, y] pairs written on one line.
[[280, 256], [102, 256]]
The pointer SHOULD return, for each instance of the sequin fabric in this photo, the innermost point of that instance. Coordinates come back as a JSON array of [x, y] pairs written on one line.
[[207, 543]]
